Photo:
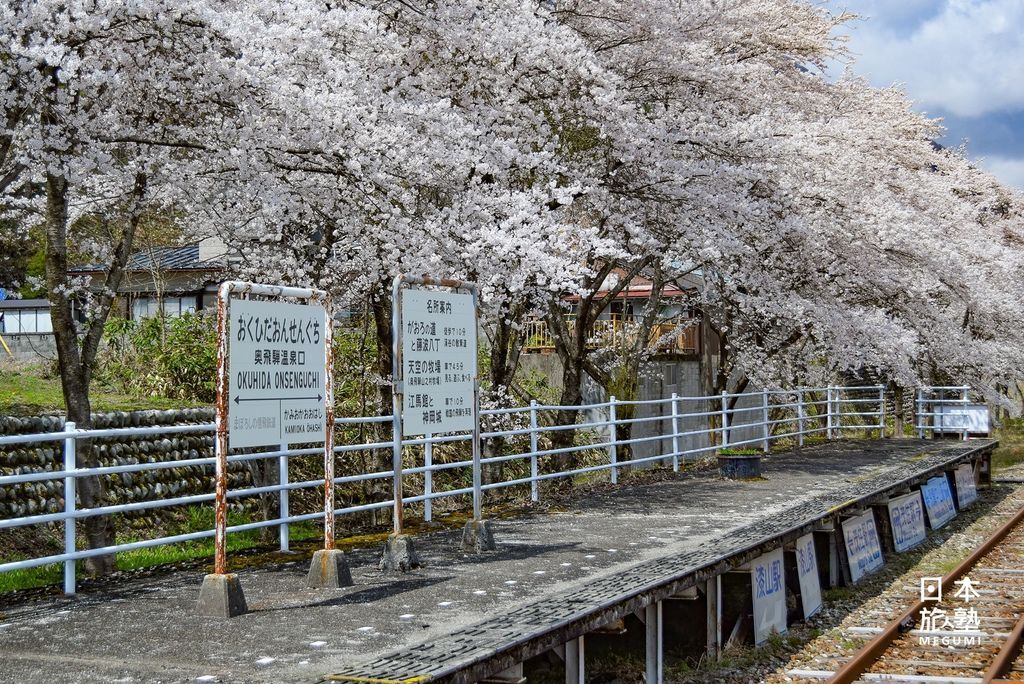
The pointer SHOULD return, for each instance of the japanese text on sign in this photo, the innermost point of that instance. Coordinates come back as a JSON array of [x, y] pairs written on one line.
[[277, 372], [807, 573], [938, 501], [768, 585], [966, 490], [906, 517], [862, 547], [438, 362]]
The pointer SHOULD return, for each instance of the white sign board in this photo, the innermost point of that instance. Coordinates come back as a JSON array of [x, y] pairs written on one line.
[[438, 362], [807, 573], [966, 491], [277, 364], [938, 501], [768, 587], [906, 518], [972, 418], [862, 547]]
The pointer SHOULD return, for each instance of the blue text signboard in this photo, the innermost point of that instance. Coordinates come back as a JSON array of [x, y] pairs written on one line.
[[768, 587], [966, 491], [906, 517], [807, 573], [862, 547], [938, 501]]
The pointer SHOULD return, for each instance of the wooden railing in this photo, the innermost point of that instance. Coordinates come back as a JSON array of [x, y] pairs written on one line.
[[667, 337]]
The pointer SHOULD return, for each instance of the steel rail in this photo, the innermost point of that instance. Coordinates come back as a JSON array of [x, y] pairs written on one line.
[[871, 652], [1003, 663]]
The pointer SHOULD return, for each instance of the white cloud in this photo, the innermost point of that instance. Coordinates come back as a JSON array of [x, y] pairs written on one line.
[[966, 58], [1007, 169]]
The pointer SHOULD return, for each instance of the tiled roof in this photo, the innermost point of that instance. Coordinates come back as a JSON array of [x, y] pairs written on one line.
[[160, 259]]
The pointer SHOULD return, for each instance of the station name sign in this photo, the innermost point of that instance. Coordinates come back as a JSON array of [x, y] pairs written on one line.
[[906, 517], [439, 364], [862, 547], [807, 574], [938, 501], [277, 367], [966, 490], [768, 589]]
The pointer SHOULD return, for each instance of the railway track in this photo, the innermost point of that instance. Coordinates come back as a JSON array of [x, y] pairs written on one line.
[[966, 627]]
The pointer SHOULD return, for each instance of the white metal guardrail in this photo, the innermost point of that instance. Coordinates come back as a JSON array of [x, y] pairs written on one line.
[[948, 410], [728, 420]]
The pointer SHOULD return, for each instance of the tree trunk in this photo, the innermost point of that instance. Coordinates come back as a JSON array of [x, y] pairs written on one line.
[[380, 306], [74, 372], [505, 348], [898, 413]]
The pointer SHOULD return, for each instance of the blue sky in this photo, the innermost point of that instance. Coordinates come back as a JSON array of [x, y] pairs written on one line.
[[960, 60]]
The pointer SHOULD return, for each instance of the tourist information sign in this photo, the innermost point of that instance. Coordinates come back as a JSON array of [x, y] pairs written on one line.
[[278, 372], [438, 362], [434, 324]]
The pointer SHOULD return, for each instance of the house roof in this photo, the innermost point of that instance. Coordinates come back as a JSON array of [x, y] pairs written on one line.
[[25, 304], [160, 259]]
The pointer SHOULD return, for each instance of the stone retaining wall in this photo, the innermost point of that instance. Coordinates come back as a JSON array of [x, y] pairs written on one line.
[[48, 496]]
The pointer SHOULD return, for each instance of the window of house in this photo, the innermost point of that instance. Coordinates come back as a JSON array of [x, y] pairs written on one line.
[[13, 321], [144, 307]]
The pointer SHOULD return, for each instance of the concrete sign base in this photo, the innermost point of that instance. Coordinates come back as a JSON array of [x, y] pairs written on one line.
[[399, 554], [477, 536], [329, 570], [221, 596]]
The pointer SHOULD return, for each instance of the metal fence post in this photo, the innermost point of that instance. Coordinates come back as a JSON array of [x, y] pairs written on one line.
[[881, 412], [282, 501], [613, 448], [963, 401], [534, 487], [675, 432], [725, 419], [800, 417], [764, 421], [919, 415], [428, 478], [828, 412], [70, 490]]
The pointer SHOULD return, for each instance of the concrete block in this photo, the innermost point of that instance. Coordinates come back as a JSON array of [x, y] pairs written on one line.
[[329, 570], [477, 536], [221, 596], [399, 554]]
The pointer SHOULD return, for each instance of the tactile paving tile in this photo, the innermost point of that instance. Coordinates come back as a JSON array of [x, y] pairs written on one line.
[[447, 655]]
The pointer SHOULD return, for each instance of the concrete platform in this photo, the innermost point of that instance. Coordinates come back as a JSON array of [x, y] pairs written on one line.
[[554, 576]]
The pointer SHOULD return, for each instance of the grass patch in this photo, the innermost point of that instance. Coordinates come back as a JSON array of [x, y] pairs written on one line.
[[32, 390], [1011, 446]]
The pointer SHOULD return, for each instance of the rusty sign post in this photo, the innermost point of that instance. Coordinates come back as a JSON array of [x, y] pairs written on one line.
[[281, 356], [436, 389]]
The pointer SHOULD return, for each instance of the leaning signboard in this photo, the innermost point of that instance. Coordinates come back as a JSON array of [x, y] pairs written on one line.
[[938, 501], [966, 491], [862, 547], [277, 368], [906, 517], [438, 362], [768, 587], [807, 573]]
